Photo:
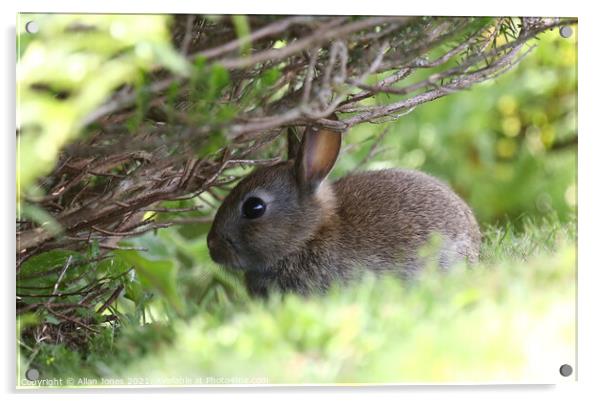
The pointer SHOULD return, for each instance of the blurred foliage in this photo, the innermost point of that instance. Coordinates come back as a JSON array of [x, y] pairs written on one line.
[[353, 336], [79, 60], [521, 299]]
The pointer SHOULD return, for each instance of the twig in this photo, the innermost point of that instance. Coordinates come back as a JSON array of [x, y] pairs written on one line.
[[110, 300], [58, 281], [187, 35]]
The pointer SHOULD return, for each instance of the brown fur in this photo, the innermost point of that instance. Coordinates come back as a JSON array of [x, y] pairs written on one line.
[[309, 238]]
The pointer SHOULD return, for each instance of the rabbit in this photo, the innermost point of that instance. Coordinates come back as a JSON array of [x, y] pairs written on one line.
[[291, 230]]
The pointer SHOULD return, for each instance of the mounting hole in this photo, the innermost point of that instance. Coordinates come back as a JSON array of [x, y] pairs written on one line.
[[32, 27], [566, 370], [32, 374], [566, 32]]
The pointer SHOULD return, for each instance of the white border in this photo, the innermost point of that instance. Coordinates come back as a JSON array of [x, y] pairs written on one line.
[[383, 7], [590, 201]]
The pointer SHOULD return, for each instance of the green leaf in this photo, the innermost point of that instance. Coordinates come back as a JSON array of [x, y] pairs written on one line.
[[134, 291], [113, 266], [213, 144], [172, 60], [270, 77], [243, 30], [199, 62], [52, 319], [46, 261], [26, 320], [156, 274], [218, 80], [42, 218]]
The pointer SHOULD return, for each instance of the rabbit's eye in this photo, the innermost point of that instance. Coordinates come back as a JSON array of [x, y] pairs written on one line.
[[253, 208]]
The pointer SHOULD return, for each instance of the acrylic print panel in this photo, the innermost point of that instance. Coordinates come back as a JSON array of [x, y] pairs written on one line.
[[408, 216]]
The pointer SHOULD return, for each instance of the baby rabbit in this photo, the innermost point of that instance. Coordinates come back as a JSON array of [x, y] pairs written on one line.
[[289, 229]]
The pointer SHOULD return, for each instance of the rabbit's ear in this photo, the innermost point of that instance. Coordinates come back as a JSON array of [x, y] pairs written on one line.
[[293, 143], [317, 155]]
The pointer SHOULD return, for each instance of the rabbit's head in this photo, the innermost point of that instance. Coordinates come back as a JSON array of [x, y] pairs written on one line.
[[275, 210]]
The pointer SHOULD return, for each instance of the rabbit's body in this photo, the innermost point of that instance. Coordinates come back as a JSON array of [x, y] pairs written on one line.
[[290, 230], [375, 220]]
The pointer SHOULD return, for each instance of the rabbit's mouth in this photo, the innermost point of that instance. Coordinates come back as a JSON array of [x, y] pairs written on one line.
[[225, 253]]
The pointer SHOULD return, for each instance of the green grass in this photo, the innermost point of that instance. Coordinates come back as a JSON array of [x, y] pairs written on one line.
[[510, 318]]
